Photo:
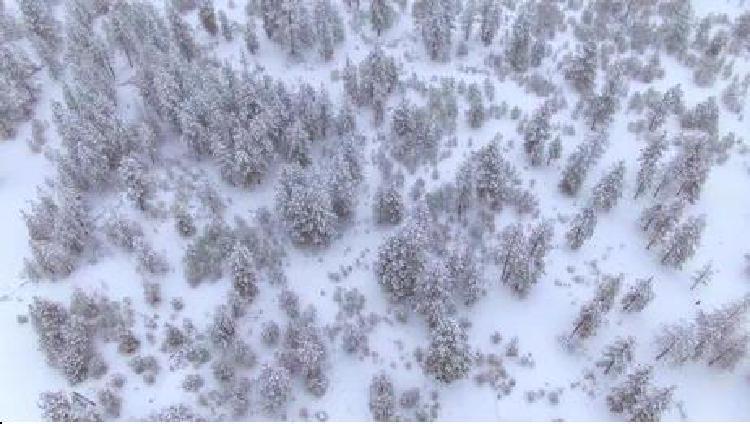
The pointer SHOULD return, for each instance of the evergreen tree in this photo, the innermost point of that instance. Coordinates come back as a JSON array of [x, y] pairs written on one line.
[[46, 33], [329, 27], [519, 45], [377, 79], [467, 18], [659, 220], [182, 34], [684, 241], [381, 15], [401, 261], [18, 91], [251, 37], [244, 279], [617, 356], [536, 134], [703, 276], [475, 113], [435, 19], [489, 20], [581, 228], [382, 401], [608, 190], [639, 296], [305, 207], [579, 163], [388, 205], [448, 357], [554, 152], [638, 399], [208, 17], [580, 69], [677, 26], [648, 160]]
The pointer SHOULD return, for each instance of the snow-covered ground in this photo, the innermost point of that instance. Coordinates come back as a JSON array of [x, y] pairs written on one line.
[[537, 320]]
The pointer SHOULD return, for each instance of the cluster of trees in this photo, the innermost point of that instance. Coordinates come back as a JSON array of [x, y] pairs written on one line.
[[592, 313], [488, 179], [435, 20], [487, 13], [522, 257], [638, 399], [718, 338], [59, 230], [578, 164], [18, 90], [311, 203], [67, 335], [372, 81], [291, 24], [679, 241]]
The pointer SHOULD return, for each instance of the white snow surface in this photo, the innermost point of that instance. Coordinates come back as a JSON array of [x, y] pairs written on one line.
[[702, 393]]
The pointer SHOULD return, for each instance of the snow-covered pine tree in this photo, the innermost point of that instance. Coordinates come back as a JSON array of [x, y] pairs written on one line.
[[638, 399], [244, 278], [639, 295], [703, 276], [377, 79], [718, 337], [251, 37], [519, 44], [401, 261], [208, 17], [489, 20], [659, 220], [137, 182], [579, 163], [554, 151], [435, 19], [677, 26], [18, 92], [448, 358], [466, 20], [617, 356], [329, 27], [580, 69], [381, 15], [45, 33], [608, 190], [684, 241], [305, 207], [382, 400], [388, 205], [182, 34], [648, 161], [536, 134], [274, 388], [344, 177], [475, 112], [581, 228]]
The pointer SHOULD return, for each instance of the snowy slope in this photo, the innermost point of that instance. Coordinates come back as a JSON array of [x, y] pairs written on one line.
[[537, 320]]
